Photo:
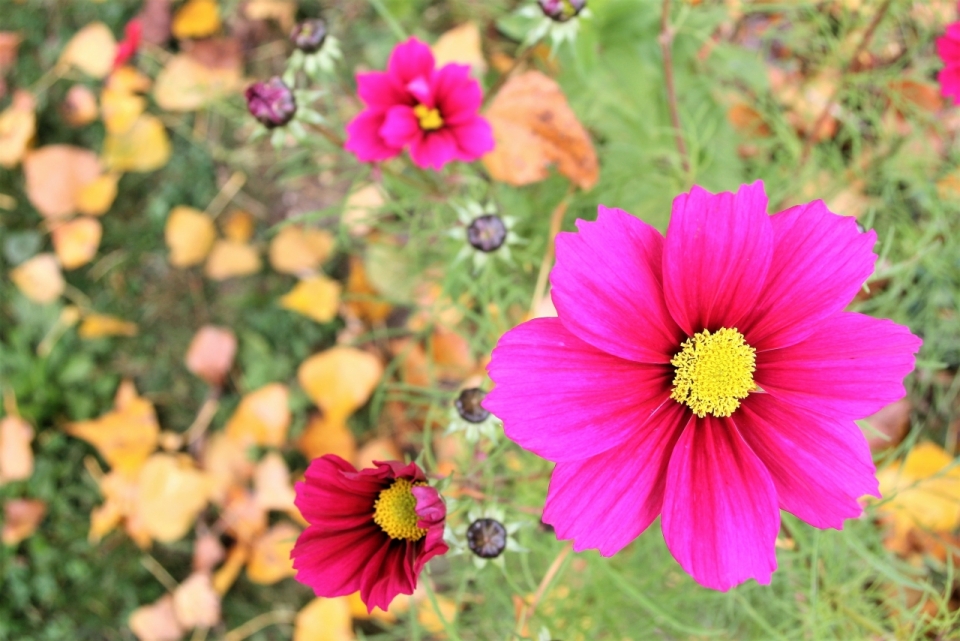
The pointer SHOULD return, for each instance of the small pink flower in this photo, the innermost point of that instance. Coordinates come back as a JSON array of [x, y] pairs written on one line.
[[711, 377], [127, 48], [412, 105], [948, 46], [371, 530]]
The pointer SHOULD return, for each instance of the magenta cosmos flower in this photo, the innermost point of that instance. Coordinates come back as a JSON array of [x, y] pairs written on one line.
[[710, 377], [948, 46], [412, 105], [371, 530]]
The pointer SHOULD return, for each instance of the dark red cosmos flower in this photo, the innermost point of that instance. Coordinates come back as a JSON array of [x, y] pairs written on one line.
[[371, 530]]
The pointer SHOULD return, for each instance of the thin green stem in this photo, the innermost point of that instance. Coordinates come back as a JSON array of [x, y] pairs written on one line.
[[387, 17]]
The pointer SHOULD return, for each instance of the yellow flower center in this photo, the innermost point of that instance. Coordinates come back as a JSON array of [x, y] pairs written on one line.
[[429, 118], [714, 372], [395, 511]]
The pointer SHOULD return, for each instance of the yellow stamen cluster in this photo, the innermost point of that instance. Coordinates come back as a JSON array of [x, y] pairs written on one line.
[[395, 511], [429, 118], [714, 372]]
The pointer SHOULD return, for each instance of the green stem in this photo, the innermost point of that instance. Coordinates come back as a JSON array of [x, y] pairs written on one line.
[[387, 17]]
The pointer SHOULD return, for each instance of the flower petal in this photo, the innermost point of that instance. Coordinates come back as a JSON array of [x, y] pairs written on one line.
[[474, 138], [820, 466], [364, 140], [331, 501], [948, 45], [456, 94], [720, 516], [607, 287], [389, 572], [850, 367], [434, 150], [949, 79], [716, 256], [609, 499], [401, 127], [565, 400], [376, 90], [820, 262], [409, 60], [333, 563]]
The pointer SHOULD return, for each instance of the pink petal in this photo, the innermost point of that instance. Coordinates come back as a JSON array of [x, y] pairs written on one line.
[[333, 563], [363, 137], [949, 79], [607, 500], [409, 60], [430, 507], [820, 466], [456, 93], [716, 256], [376, 90], [388, 573], [608, 291], [419, 87], [948, 45], [401, 127], [565, 400], [850, 367], [332, 501], [474, 138], [819, 263], [434, 150], [720, 516]]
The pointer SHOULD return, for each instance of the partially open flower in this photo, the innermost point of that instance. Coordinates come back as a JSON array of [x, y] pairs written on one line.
[[561, 10], [308, 36], [372, 530], [271, 102]]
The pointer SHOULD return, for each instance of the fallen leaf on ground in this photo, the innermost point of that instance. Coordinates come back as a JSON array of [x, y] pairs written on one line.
[[316, 297], [208, 552], [377, 449], [360, 209], [283, 11], [189, 234], [362, 297], [102, 325], [76, 241], [9, 48], [91, 50], [211, 352], [230, 570], [79, 106], [157, 621], [39, 278], [16, 456], [270, 557], [324, 620], [96, 197], [340, 380], [461, 45], [242, 516], [155, 19], [889, 425], [358, 609], [186, 83], [196, 19], [238, 225], [322, 436], [54, 176], [271, 484], [21, 517], [262, 418], [121, 109], [230, 259], [196, 603], [18, 125], [226, 464], [172, 494], [535, 127], [128, 80], [451, 354], [145, 146], [300, 250]]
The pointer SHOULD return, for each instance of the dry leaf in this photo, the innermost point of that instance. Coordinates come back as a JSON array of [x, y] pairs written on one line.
[[76, 241], [316, 297], [125, 437], [362, 295], [230, 259], [156, 622], [196, 603], [196, 19], [360, 209], [9, 48], [262, 418], [55, 174], [271, 484], [16, 456], [96, 197], [39, 278], [270, 557], [229, 571], [79, 106], [300, 251], [172, 494], [186, 83], [155, 18], [211, 352], [18, 125], [322, 436], [283, 11], [889, 425], [189, 234], [21, 517], [91, 50], [340, 380], [324, 620], [207, 552], [101, 325], [747, 120], [451, 354], [128, 80], [358, 609], [377, 449], [121, 109], [534, 127], [239, 226], [242, 515], [461, 45], [145, 146], [226, 464]]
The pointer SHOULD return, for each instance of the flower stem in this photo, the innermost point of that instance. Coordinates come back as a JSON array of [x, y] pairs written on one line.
[[384, 13], [666, 46]]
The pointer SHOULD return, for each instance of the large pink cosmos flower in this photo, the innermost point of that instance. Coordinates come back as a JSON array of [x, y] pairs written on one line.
[[371, 530], [412, 105], [711, 377], [948, 46]]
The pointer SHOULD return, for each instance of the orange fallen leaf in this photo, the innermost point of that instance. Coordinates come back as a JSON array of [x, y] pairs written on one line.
[[54, 176], [121, 109], [270, 560], [271, 484], [324, 620], [230, 570], [144, 147], [239, 226], [189, 234], [322, 436], [186, 83], [316, 297], [9, 48], [451, 354], [283, 11], [21, 517], [535, 127], [196, 603], [226, 464], [242, 515], [207, 552], [39, 278], [76, 241], [340, 380], [120, 493], [300, 250], [377, 449], [102, 325], [16, 456], [262, 418], [79, 106], [96, 197], [196, 19], [172, 494], [747, 120], [358, 609], [18, 125], [91, 50], [157, 621], [362, 297], [230, 259], [461, 45], [211, 352]]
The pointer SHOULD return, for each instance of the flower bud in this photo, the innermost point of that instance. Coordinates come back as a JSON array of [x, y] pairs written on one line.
[[271, 102], [487, 233], [561, 10], [487, 538], [309, 35], [468, 405]]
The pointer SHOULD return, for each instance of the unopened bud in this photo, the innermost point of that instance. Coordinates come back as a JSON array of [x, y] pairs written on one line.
[[271, 102], [561, 10], [309, 35], [487, 233], [487, 538]]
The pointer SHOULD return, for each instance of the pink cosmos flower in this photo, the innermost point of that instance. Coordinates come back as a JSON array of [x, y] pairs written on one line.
[[948, 46], [412, 105], [710, 377], [371, 530]]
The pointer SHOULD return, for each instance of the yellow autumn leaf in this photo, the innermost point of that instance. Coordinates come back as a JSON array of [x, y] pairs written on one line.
[[270, 557], [358, 609], [324, 620], [340, 380], [283, 11], [102, 325], [55, 174], [300, 250], [226, 464], [186, 84], [272, 489], [230, 259], [225, 577], [96, 197], [321, 436], [196, 19], [21, 517], [120, 109], [316, 297], [196, 603], [76, 241], [239, 226], [262, 417], [16, 456], [128, 80], [172, 493], [18, 125], [461, 45], [91, 50], [189, 234], [39, 278], [145, 146], [923, 491]]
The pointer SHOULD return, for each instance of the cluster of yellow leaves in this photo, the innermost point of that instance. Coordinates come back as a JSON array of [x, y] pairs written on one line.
[[191, 237]]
